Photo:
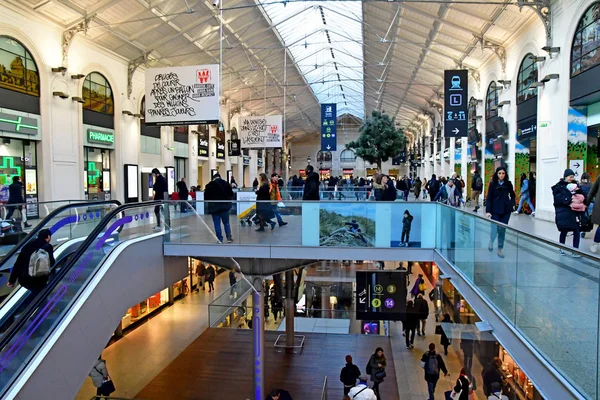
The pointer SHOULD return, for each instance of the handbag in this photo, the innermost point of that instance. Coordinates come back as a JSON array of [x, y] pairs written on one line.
[[107, 386], [438, 330], [380, 373]]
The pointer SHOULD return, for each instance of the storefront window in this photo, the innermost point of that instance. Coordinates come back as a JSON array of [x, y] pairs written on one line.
[[97, 174], [144, 308], [491, 101], [19, 158], [18, 71], [584, 52], [528, 74], [97, 94], [324, 156]]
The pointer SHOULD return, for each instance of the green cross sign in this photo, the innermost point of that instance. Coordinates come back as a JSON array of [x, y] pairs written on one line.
[[8, 165], [92, 178], [18, 123]]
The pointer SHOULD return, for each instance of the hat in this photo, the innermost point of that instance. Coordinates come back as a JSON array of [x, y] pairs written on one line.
[[568, 172]]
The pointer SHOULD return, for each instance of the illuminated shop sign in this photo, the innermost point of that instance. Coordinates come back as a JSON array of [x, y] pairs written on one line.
[[102, 137], [18, 124]]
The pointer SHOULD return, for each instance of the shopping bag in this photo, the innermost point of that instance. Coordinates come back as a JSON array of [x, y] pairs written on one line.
[[280, 205]]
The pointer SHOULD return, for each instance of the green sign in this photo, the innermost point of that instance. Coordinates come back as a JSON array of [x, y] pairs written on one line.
[[107, 138], [18, 124], [93, 173]]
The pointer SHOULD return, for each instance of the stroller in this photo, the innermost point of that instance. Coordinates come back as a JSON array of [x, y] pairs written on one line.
[[249, 216]]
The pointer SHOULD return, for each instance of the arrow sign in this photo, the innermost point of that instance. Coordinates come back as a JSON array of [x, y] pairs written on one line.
[[577, 165], [328, 127], [328, 147], [455, 131], [362, 300]]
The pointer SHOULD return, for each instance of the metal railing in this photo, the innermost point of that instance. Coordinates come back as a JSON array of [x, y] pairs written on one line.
[[324, 391]]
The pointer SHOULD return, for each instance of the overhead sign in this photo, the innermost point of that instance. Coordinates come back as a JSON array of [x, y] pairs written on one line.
[[381, 295], [18, 124], [182, 95], [260, 132], [221, 151], [102, 137], [234, 148], [246, 160], [328, 127], [456, 90]]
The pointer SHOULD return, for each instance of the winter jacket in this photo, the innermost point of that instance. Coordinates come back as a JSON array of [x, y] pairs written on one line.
[[525, 189], [463, 386], [374, 361], [594, 197], [357, 393], [421, 308], [433, 187], [349, 374], [264, 208], [441, 366], [99, 373], [566, 219], [412, 318], [417, 187], [218, 189], [20, 270], [389, 193], [160, 187], [577, 203], [378, 190], [15, 193], [477, 183], [500, 198], [182, 190], [311, 187], [402, 185], [407, 222]]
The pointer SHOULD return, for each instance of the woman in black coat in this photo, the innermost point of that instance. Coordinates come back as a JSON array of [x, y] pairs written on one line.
[[566, 219], [264, 209], [500, 202]]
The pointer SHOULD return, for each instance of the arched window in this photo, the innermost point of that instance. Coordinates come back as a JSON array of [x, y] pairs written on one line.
[[324, 156], [528, 74], [18, 71], [491, 101], [98, 95], [584, 52], [347, 156]]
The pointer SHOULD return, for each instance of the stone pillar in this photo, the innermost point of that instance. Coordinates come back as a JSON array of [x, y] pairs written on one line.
[[212, 153], [258, 331], [253, 166], [290, 305], [325, 305]]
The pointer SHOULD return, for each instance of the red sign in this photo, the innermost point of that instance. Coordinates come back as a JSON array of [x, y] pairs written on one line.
[[203, 75], [348, 171], [273, 128]]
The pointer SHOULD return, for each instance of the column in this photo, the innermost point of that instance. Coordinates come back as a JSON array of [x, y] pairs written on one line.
[[290, 305], [325, 304], [192, 174], [253, 166], [212, 153], [258, 331], [166, 141]]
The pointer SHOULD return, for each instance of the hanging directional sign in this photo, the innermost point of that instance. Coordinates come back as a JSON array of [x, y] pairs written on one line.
[[456, 104], [381, 295], [328, 127]]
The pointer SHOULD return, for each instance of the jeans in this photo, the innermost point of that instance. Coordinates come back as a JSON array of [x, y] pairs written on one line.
[[597, 235], [523, 200], [157, 213], [409, 336], [431, 389], [576, 237], [405, 235], [277, 214], [405, 193], [499, 231], [219, 217]]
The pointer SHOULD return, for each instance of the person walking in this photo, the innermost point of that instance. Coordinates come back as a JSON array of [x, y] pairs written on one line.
[[433, 187], [525, 197], [566, 219], [476, 189], [276, 197], [255, 184], [417, 188], [99, 375], [444, 341], [43, 252], [376, 367], [378, 189], [311, 186], [449, 194], [159, 187], [264, 209], [592, 198], [218, 195], [211, 273], [500, 202], [433, 363], [201, 272], [183, 193], [15, 196], [349, 374], [232, 282], [362, 390], [424, 186], [463, 387], [411, 323], [422, 309]]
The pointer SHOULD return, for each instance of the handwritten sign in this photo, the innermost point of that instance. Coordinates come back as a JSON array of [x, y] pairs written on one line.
[[260, 132], [182, 95]]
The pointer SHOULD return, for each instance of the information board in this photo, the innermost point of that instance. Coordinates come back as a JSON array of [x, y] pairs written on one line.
[[456, 90], [260, 132], [328, 127], [381, 295]]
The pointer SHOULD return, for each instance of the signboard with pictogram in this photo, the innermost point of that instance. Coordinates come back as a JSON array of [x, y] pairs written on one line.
[[381, 295], [260, 132], [456, 90], [182, 95], [328, 127]]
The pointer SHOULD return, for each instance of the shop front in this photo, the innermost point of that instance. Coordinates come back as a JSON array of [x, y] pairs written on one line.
[[324, 173], [98, 146], [348, 173], [202, 154]]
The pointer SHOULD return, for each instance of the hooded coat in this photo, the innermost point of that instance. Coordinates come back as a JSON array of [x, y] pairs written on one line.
[[566, 219]]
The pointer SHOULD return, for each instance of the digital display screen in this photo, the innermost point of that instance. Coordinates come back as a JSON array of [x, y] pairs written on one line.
[[381, 295], [499, 126], [499, 146], [473, 152]]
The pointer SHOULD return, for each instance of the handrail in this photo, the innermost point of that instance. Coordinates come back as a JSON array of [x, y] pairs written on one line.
[[42, 296], [33, 233], [324, 391]]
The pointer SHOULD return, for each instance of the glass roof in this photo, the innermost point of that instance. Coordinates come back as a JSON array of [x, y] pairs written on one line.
[[326, 40]]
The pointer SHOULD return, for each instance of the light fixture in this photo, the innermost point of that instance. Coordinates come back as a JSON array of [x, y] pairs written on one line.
[[537, 59], [127, 112], [77, 76], [549, 77], [62, 95], [78, 99], [504, 82], [504, 103], [551, 50], [535, 85], [140, 116], [5, 141], [308, 160], [59, 69]]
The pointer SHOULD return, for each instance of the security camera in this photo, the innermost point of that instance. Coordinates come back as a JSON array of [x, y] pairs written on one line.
[[215, 3]]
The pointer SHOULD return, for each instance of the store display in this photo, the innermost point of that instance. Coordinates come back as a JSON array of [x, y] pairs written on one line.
[[146, 307]]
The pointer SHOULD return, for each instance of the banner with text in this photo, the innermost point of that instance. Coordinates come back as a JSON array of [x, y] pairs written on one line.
[[260, 132], [182, 95], [328, 127]]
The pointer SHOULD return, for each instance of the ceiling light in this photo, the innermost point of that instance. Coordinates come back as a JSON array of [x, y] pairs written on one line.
[[535, 85], [78, 99], [538, 59], [549, 77], [59, 69]]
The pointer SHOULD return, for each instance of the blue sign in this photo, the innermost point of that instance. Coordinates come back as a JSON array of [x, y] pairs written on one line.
[[328, 127], [456, 104]]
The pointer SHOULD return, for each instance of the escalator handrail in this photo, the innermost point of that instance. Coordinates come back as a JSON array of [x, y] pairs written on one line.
[[34, 232], [43, 295]]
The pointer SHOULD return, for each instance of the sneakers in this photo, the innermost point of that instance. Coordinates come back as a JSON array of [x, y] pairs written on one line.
[[561, 252], [229, 240], [533, 214], [594, 248], [515, 213], [157, 228], [283, 223], [575, 255]]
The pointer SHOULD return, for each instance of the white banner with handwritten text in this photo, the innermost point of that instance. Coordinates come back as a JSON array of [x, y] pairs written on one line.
[[260, 132], [182, 95]]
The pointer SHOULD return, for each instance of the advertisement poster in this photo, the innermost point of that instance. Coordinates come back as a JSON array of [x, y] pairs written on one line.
[[260, 132], [31, 179], [182, 95], [346, 225], [406, 225], [381, 295]]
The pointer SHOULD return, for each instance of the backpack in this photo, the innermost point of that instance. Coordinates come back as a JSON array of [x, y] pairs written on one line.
[[479, 182], [39, 263], [431, 367]]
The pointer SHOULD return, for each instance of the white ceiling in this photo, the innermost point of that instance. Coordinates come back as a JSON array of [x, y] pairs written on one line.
[[361, 55]]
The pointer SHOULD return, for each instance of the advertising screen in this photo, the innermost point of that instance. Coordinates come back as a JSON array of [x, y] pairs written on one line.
[[380, 295]]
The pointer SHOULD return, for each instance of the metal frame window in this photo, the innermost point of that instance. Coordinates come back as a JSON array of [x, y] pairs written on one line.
[[586, 43], [347, 156], [528, 74], [491, 100], [97, 94], [18, 71], [324, 156]]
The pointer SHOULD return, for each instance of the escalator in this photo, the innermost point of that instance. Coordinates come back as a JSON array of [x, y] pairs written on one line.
[[97, 276]]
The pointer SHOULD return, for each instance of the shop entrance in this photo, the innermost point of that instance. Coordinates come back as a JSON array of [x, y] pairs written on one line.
[[97, 173], [19, 158]]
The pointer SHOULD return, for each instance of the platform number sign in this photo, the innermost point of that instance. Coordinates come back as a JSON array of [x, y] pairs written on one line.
[[328, 127], [456, 104], [381, 295]]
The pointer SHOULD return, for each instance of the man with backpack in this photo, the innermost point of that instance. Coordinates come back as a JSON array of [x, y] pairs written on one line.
[[34, 264], [476, 189], [432, 363]]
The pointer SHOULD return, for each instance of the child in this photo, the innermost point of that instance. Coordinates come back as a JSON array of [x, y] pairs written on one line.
[[406, 224], [577, 200]]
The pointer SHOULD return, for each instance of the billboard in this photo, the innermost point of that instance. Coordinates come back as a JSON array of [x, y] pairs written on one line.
[[260, 132], [328, 127], [182, 95]]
